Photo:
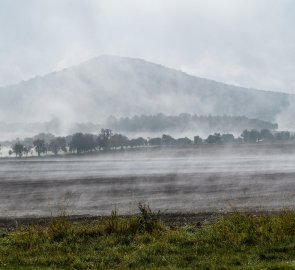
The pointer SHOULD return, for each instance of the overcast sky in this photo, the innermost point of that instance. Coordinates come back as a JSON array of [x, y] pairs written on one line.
[[244, 42]]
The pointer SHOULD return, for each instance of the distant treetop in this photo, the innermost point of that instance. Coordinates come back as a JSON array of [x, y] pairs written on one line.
[[187, 122]]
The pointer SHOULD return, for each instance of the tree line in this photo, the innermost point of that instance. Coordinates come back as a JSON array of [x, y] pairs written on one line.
[[105, 141], [187, 122]]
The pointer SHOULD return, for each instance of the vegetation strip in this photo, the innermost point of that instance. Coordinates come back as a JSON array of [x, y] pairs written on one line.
[[106, 141], [232, 241]]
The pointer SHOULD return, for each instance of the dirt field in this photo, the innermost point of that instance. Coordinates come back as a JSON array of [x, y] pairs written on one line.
[[204, 179]]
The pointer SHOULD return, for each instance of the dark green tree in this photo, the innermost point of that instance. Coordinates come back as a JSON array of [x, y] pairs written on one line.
[[18, 149], [76, 143], [89, 143], [184, 141], [214, 139], [27, 149], [266, 135], [227, 138], [103, 139], [251, 136], [138, 142], [282, 135], [119, 140], [40, 147], [155, 141], [82, 143], [198, 140], [168, 140], [57, 144]]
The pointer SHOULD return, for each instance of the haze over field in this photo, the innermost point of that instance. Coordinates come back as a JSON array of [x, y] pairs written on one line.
[[182, 180], [156, 69], [147, 134]]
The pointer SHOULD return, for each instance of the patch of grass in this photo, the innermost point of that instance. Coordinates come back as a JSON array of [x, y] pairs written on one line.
[[234, 241]]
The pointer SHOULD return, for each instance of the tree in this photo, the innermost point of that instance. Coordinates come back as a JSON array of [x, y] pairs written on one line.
[[137, 142], [40, 147], [184, 141], [103, 139], [214, 139], [252, 136], [89, 143], [46, 137], [118, 140], [168, 140], [140, 141], [27, 149], [82, 143], [282, 135], [18, 149], [57, 144], [198, 140], [187, 122], [155, 141], [77, 143], [266, 135], [227, 138]]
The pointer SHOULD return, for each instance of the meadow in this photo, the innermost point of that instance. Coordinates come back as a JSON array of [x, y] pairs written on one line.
[[229, 241]]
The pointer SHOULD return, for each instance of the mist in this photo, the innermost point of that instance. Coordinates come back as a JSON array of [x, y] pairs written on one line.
[[144, 69], [217, 179], [244, 44], [124, 87]]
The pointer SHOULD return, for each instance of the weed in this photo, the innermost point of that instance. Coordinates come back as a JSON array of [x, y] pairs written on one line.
[[148, 220]]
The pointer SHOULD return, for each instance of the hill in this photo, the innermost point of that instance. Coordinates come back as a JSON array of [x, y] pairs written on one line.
[[124, 87]]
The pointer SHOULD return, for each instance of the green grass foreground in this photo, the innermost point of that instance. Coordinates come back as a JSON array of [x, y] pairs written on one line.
[[235, 241]]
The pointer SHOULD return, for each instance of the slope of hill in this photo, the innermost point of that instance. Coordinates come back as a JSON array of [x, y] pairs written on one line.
[[109, 85]]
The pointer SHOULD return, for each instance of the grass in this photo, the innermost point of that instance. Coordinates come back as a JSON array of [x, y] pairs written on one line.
[[234, 241]]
